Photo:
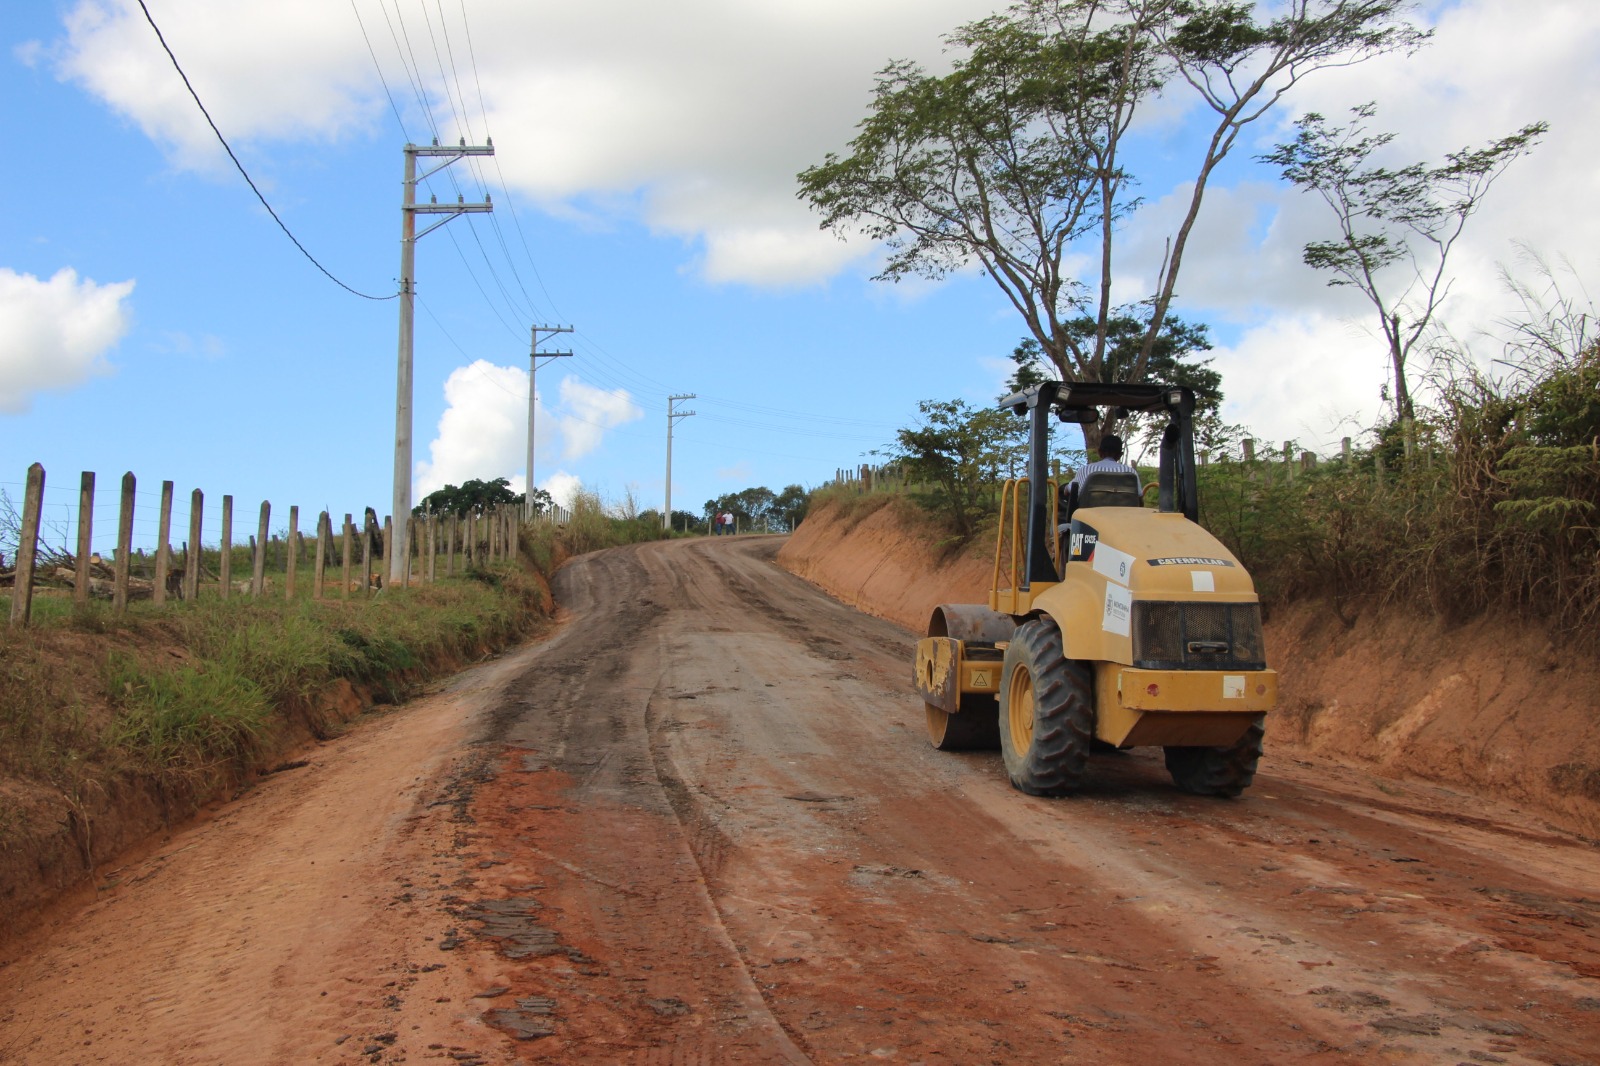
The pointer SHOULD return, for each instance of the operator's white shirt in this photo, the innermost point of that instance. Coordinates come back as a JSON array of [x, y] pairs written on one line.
[[1105, 466]]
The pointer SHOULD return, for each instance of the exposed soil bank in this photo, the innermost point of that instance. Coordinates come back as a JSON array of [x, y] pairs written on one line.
[[1487, 705], [58, 836]]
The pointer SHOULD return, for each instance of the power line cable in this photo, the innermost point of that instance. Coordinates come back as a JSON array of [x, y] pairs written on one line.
[[399, 121], [413, 69], [198, 103], [408, 60], [444, 78]]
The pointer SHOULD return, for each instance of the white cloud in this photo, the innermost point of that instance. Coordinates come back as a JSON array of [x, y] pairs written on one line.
[[588, 412], [291, 69], [778, 257], [1305, 354], [692, 117], [562, 487], [179, 342], [483, 432], [54, 334], [1310, 378]]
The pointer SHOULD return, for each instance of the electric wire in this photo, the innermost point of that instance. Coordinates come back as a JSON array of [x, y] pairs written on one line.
[[476, 164], [516, 219], [408, 60], [446, 77], [413, 71], [399, 121], [244, 173], [602, 367]]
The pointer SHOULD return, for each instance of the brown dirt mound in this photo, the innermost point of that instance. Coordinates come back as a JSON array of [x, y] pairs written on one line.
[[1492, 706]]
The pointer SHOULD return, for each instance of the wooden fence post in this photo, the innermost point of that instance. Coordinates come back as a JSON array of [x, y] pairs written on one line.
[[344, 581], [366, 561], [80, 580], [1344, 450], [191, 560], [258, 574], [163, 549], [291, 545], [225, 562], [119, 590], [450, 545], [433, 546], [413, 549], [27, 546], [1288, 460], [323, 533], [388, 547], [1249, 450]]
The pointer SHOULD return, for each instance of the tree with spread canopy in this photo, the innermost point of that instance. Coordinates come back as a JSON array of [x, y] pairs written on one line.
[[1174, 360], [960, 453], [1015, 158], [1380, 212], [453, 499]]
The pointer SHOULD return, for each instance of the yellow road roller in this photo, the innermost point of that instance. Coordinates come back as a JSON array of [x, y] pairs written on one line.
[[1111, 623]]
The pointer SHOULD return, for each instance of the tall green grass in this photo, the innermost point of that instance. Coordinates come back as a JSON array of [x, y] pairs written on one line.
[[1496, 510], [194, 693]]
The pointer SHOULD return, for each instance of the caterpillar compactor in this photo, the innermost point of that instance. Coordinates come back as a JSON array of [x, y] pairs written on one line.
[[1110, 623]]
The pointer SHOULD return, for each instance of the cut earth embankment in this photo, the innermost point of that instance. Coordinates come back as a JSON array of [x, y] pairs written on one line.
[[1493, 705]]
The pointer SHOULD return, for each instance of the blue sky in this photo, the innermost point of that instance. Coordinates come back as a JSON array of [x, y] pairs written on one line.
[[153, 318]]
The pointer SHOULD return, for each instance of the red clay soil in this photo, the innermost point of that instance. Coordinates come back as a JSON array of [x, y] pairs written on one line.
[[701, 824], [1494, 707]]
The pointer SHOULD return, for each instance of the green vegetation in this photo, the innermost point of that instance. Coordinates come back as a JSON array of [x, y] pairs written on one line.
[[192, 694], [1017, 158], [480, 495], [1500, 510], [1497, 510], [1410, 216], [184, 700]]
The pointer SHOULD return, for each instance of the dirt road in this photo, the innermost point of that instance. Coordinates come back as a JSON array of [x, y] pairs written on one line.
[[700, 824]]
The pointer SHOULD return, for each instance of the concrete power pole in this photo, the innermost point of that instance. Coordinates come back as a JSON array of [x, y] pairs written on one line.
[[533, 367], [672, 418], [409, 210]]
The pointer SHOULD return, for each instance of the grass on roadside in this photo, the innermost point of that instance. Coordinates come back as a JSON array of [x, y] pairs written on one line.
[[192, 693]]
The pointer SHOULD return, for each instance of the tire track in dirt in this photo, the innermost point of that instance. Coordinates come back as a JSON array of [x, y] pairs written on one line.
[[701, 824], [856, 869]]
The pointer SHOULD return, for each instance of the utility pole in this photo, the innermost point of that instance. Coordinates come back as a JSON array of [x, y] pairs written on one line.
[[409, 210], [672, 417], [533, 366]]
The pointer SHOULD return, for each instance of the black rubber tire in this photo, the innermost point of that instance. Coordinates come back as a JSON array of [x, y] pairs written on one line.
[[1045, 739], [1217, 771], [975, 728]]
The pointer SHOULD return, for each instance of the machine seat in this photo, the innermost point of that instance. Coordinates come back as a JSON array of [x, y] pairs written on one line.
[[1110, 490]]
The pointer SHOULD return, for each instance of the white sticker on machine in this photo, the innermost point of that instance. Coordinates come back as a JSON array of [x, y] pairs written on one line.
[[1204, 580], [1119, 612], [1116, 565], [1233, 686]]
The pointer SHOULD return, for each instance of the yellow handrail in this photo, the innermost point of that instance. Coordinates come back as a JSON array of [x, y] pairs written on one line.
[[1011, 522]]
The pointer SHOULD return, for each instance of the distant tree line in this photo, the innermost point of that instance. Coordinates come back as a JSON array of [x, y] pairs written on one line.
[[480, 495], [757, 508]]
